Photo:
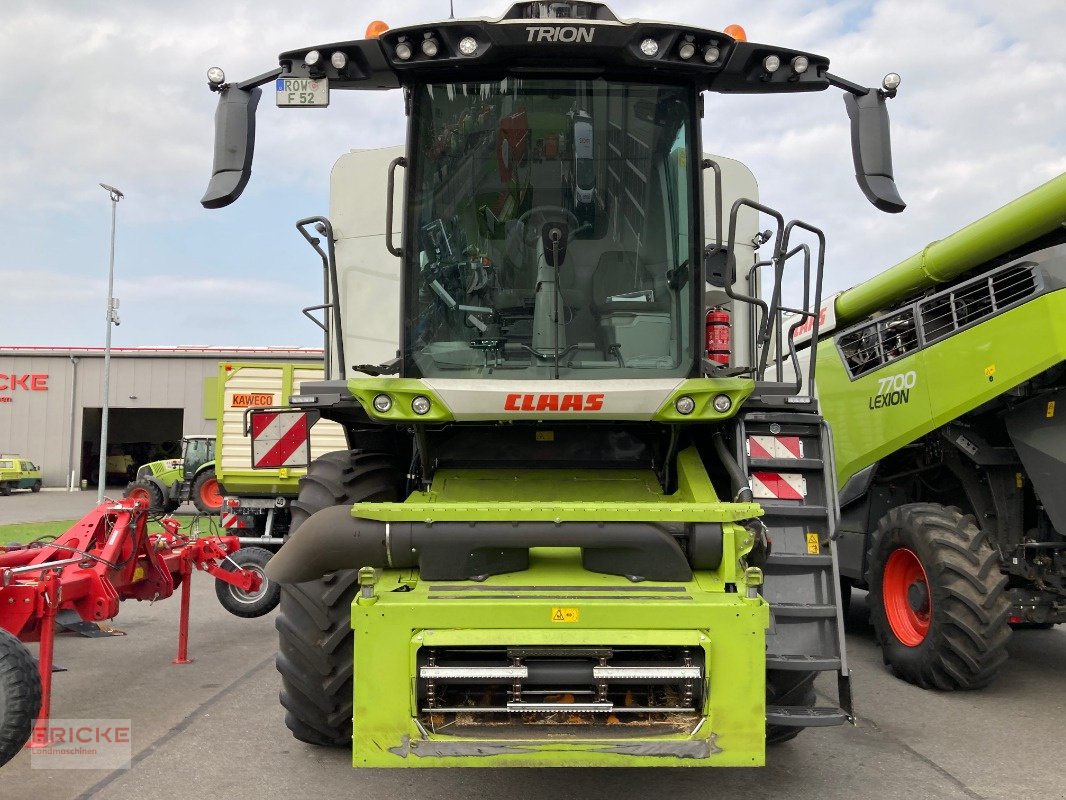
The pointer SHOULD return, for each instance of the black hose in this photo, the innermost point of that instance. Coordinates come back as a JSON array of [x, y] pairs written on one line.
[[741, 487]]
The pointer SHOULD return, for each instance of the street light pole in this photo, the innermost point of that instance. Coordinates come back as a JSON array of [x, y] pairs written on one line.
[[112, 319]]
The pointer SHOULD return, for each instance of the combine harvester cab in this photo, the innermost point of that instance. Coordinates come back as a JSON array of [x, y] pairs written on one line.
[[570, 443], [943, 379]]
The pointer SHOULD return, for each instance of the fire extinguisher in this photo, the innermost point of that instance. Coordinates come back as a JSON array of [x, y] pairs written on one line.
[[718, 335]]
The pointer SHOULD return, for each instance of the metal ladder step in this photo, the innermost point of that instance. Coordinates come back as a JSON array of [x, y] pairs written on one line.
[[784, 464], [803, 717], [779, 509], [806, 610], [798, 560], [803, 663]]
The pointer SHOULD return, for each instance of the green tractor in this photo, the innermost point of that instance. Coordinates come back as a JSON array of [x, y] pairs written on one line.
[[168, 483], [548, 542], [944, 378]]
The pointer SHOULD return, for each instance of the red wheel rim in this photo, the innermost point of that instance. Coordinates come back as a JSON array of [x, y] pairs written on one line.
[[140, 494], [209, 494], [908, 599]]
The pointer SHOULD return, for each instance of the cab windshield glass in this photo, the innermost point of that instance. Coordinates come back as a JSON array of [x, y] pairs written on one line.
[[551, 228]]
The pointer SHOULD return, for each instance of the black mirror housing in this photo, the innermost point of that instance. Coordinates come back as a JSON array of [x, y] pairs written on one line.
[[871, 148], [234, 145]]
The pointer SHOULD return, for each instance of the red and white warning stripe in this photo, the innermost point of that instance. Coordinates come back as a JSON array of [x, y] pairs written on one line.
[[280, 439], [233, 521], [761, 446], [778, 486]]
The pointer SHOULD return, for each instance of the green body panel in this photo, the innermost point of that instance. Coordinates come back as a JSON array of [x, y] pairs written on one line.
[[402, 391], [703, 391], [706, 612], [167, 471], [531, 495], [950, 378], [1020, 221], [390, 627]]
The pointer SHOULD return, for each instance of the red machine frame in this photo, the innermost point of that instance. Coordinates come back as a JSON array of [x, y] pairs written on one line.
[[107, 557]]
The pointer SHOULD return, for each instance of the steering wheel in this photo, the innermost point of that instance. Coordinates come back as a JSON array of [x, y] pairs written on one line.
[[533, 221]]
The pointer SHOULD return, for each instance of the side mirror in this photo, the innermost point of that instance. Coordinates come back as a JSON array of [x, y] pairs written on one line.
[[234, 143], [871, 148]]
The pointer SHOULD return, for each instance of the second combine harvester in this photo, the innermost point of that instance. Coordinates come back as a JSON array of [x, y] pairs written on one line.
[[944, 381], [543, 546]]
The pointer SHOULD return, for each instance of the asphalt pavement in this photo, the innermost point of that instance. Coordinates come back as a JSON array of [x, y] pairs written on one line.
[[214, 728]]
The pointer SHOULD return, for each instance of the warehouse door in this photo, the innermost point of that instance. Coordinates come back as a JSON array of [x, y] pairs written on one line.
[[135, 436]]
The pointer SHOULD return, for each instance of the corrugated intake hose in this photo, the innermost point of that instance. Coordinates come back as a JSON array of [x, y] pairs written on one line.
[[332, 540]]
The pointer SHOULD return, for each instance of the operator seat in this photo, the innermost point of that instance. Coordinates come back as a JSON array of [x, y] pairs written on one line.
[[632, 308]]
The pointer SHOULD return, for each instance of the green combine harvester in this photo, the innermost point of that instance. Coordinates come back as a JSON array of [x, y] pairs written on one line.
[[549, 541], [944, 380]]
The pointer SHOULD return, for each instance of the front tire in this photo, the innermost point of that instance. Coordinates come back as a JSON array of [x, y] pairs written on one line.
[[248, 604], [36, 487], [315, 639], [20, 695], [205, 493], [148, 492], [938, 601]]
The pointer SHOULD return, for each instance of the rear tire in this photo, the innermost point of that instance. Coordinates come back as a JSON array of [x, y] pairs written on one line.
[[147, 491], [20, 695], [205, 493], [938, 601], [242, 604], [315, 639]]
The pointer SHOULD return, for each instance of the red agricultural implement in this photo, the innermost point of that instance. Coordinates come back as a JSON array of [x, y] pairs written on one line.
[[77, 581]]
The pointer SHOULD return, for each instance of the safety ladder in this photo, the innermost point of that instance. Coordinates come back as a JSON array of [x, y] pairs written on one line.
[[788, 458]]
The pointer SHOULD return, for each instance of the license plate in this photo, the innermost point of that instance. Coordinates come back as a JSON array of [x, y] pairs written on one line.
[[302, 92]]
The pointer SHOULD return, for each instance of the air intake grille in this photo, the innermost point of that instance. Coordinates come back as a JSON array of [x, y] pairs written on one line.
[[879, 343], [889, 338], [976, 300]]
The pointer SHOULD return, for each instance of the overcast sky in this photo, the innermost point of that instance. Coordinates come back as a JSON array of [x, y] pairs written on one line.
[[115, 92]]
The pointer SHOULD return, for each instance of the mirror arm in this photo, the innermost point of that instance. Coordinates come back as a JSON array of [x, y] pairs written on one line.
[[846, 85], [259, 80]]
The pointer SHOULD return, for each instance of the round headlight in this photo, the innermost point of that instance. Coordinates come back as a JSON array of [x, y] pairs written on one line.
[[338, 60], [403, 51], [468, 45], [649, 47], [685, 405], [800, 64], [771, 63], [429, 47], [891, 82], [722, 403], [687, 50], [382, 403], [215, 76], [312, 58], [420, 405], [711, 54]]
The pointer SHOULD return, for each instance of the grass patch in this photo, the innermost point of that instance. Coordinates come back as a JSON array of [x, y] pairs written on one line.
[[25, 532]]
